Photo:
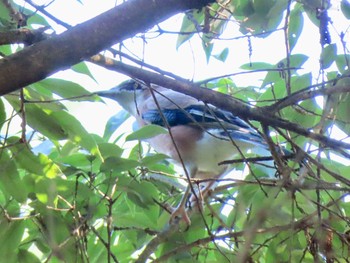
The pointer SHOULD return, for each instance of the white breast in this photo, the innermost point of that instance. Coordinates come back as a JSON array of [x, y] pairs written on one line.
[[211, 150]]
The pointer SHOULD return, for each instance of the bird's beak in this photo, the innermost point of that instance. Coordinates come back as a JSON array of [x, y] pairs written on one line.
[[105, 93]]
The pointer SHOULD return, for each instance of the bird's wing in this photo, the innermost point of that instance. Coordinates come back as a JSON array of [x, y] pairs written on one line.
[[180, 109]]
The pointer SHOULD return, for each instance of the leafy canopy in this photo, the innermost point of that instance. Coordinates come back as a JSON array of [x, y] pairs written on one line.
[[68, 195]]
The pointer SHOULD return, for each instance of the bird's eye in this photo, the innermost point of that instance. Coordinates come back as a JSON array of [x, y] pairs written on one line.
[[130, 85]]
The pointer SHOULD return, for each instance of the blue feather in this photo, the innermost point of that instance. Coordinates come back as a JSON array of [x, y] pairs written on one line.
[[229, 125]]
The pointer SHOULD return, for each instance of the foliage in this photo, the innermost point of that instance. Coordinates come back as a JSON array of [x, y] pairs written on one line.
[[67, 195]]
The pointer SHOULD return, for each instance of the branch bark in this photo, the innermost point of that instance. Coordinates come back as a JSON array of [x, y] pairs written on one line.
[[38, 61], [22, 35]]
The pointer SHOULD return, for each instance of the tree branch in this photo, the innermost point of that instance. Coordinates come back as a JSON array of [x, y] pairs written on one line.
[[22, 35], [36, 62], [306, 94]]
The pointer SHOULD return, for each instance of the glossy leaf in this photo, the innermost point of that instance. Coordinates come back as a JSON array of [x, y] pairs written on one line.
[[242, 8], [222, 56], [76, 132], [2, 113], [146, 132], [295, 28], [296, 61], [40, 119], [109, 149], [345, 8], [328, 55], [11, 184], [10, 236], [82, 68], [208, 48], [40, 165], [342, 62], [114, 123], [25, 256], [34, 19], [153, 159], [66, 89], [190, 24], [116, 164]]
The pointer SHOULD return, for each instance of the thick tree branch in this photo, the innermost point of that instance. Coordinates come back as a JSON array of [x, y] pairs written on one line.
[[307, 94], [36, 62], [22, 35]]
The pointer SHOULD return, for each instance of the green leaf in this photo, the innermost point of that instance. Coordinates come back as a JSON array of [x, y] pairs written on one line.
[[5, 49], [66, 89], [82, 68], [301, 82], [2, 113], [208, 48], [4, 12], [46, 191], [117, 164], [302, 118], [143, 192], [154, 158], [274, 13], [242, 7], [11, 183], [25, 256], [310, 7], [76, 132], [146, 132], [26, 159], [110, 149], [342, 61], [11, 234], [39, 119], [342, 107], [266, 17], [36, 19], [6, 21], [35, 93], [114, 123], [296, 24], [328, 55], [77, 160], [223, 55], [188, 26], [295, 61], [345, 8]]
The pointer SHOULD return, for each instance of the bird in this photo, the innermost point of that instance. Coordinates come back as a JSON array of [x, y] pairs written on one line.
[[200, 135]]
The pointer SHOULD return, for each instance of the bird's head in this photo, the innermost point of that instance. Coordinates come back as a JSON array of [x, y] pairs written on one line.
[[128, 94]]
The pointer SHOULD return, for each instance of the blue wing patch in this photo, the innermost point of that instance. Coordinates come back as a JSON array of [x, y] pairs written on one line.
[[194, 114], [207, 118], [227, 125]]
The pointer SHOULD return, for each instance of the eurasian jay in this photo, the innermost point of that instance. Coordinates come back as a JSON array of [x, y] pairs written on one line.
[[200, 135]]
